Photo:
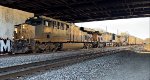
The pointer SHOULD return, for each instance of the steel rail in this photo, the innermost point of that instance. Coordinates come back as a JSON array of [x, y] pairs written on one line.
[[15, 72]]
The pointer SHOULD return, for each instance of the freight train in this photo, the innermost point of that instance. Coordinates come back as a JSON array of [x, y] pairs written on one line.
[[40, 34]]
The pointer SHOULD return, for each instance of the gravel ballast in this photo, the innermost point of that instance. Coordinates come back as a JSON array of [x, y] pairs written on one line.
[[25, 59], [126, 65]]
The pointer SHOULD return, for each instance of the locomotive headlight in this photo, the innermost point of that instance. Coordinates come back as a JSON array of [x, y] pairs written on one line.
[[35, 17], [23, 26], [16, 30]]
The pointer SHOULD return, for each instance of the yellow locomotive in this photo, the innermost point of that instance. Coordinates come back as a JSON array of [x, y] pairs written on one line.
[[39, 34]]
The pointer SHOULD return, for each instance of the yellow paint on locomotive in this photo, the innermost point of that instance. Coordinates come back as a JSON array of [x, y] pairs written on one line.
[[24, 31], [117, 38], [131, 40], [107, 37], [83, 36], [55, 35], [44, 33], [97, 36], [67, 46], [147, 47], [139, 41]]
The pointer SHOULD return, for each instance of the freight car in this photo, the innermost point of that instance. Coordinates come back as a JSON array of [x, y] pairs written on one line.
[[132, 40]]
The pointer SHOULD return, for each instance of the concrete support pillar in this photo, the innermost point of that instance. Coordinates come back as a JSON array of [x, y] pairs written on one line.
[[10, 17]]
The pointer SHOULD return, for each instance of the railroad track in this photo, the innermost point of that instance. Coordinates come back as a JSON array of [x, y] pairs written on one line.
[[15, 72]]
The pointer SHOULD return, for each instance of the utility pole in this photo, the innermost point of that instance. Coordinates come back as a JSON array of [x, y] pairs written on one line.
[[149, 35], [117, 32], [106, 28]]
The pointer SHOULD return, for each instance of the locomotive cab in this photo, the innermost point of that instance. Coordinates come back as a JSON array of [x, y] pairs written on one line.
[[24, 31], [23, 38]]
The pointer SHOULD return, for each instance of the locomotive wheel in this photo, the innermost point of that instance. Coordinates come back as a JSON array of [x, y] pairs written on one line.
[[90, 45], [87, 45], [58, 46]]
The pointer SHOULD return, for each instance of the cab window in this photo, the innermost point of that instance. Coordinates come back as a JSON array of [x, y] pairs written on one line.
[[58, 25], [50, 24], [46, 23], [62, 26], [67, 27], [53, 24]]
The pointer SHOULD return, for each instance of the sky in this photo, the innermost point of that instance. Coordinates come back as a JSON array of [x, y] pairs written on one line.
[[138, 27]]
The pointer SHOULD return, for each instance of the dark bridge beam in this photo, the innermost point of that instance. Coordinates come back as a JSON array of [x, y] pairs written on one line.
[[83, 10]]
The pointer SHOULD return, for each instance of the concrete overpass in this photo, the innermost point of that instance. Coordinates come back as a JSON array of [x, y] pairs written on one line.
[[83, 10]]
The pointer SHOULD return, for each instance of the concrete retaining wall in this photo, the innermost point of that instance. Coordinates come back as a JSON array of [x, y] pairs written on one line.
[[10, 17]]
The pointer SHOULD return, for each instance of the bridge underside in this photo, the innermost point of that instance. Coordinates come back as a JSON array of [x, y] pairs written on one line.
[[83, 10]]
